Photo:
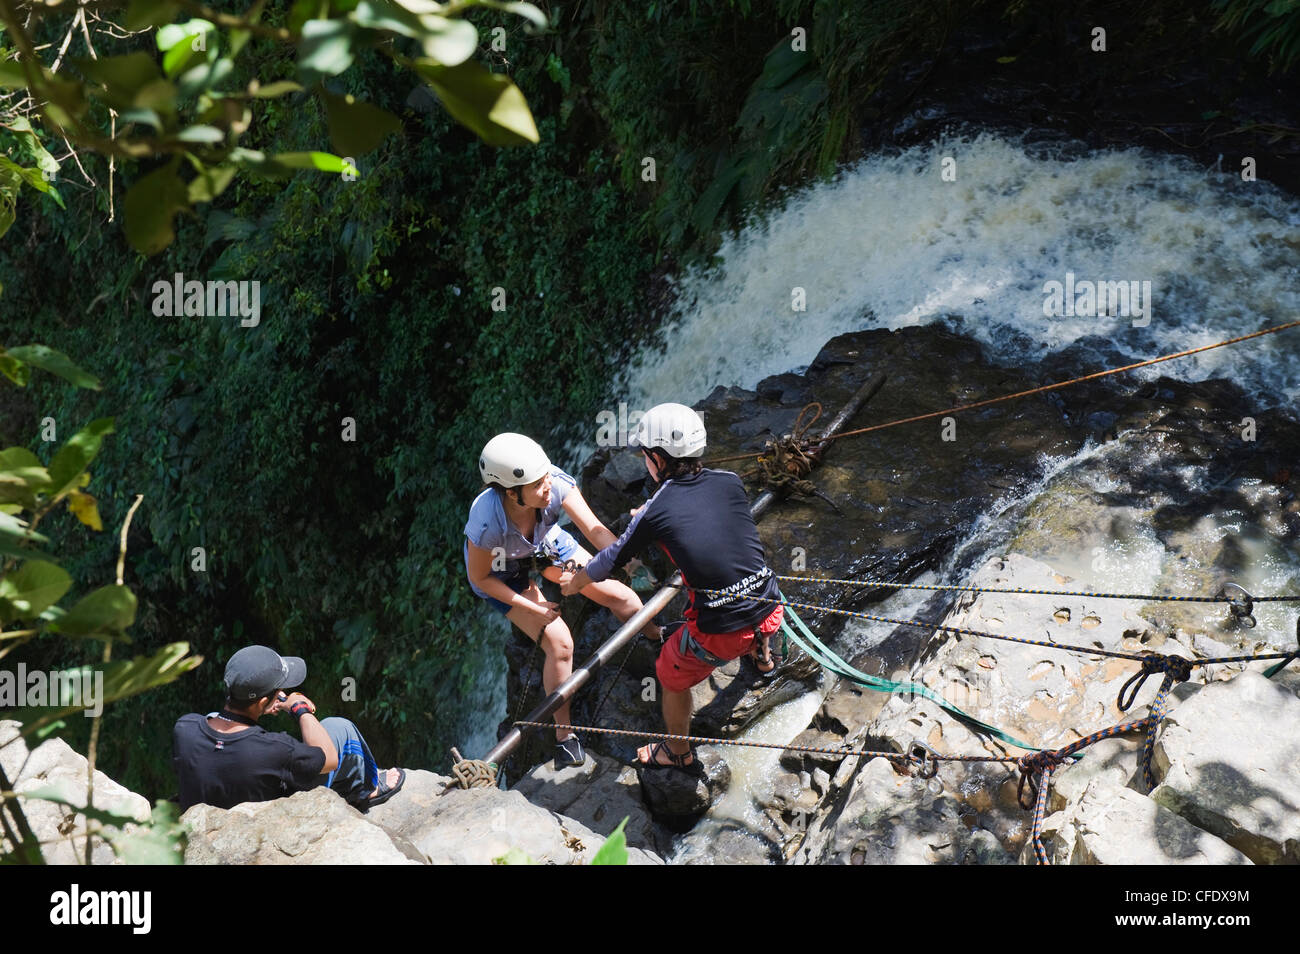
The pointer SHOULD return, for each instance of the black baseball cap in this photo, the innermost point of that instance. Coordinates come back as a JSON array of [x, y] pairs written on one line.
[[257, 671]]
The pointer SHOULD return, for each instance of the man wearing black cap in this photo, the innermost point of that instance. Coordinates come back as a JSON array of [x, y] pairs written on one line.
[[226, 758]]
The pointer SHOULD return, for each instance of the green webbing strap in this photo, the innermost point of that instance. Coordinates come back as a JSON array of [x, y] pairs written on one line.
[[827, 658], [1272, 671]]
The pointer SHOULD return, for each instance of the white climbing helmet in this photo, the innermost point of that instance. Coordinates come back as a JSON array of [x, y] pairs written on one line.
[[675, 428], [512, 460]]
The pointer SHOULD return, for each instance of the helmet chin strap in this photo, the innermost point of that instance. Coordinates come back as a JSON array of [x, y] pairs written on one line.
[[519, 495]]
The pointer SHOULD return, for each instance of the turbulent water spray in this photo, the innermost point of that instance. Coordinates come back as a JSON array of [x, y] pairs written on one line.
[[889, 244]]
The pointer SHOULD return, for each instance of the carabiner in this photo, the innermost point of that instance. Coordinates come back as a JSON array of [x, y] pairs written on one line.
[[1242, 606], [927, 756]]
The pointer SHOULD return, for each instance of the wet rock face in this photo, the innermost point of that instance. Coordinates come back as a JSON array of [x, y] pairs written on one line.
[[893, 818], [884, 487]]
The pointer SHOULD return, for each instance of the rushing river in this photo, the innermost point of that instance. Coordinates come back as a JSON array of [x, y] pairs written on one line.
[[889, 239]]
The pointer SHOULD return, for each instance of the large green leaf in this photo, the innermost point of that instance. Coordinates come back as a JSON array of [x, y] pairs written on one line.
[[16, 538], [385, 15], [614, 850], [31, 176], [55, 362], [20, 485], [325, 48], [357, 127], [525, 10], [488, 103], [151, 204], [32, 588], [77, 454], [10, 367], [121, 679], [18, 457], [22, 128], [120, 76], [210, 183], [323, 161], [448, 41], [12, 75], [149, 13], [107, 611], [173, 34]]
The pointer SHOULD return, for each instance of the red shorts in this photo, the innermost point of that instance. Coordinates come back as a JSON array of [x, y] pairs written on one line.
[[677, 672]]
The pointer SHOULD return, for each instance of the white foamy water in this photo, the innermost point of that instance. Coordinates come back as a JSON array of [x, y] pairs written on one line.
[[888, 244]]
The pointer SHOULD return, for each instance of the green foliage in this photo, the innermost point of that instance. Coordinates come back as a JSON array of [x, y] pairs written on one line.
[[191, 106], [161, 842], [31, 585], [614, 850], [1272, 27], [515, 856]]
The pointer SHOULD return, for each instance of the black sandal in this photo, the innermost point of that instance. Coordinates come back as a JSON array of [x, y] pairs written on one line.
[[674, 760]]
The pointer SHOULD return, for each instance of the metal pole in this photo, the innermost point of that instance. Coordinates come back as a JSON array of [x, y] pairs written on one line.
[[579, 677], [629, 630]]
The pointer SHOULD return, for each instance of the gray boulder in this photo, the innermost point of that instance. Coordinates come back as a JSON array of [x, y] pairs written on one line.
[[1111, 825], [600, 793], [55, 768], [315, 827], [1112, 761], [1228, 761], [477, 826]]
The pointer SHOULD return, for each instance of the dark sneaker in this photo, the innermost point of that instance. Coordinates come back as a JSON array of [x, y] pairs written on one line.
[[569, 753]]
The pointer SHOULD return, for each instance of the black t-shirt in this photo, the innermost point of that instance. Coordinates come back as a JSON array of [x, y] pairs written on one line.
[[220, 769], [702, 522]]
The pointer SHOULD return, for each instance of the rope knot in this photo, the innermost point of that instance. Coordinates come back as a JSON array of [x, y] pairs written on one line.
[[1033, 768], [1175, 669], [473, 773]]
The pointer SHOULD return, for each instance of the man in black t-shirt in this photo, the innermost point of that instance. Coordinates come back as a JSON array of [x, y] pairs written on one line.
[[226, 758]]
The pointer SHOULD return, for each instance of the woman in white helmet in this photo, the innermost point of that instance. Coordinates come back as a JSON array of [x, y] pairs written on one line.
[[515, 519], [701, 519]]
